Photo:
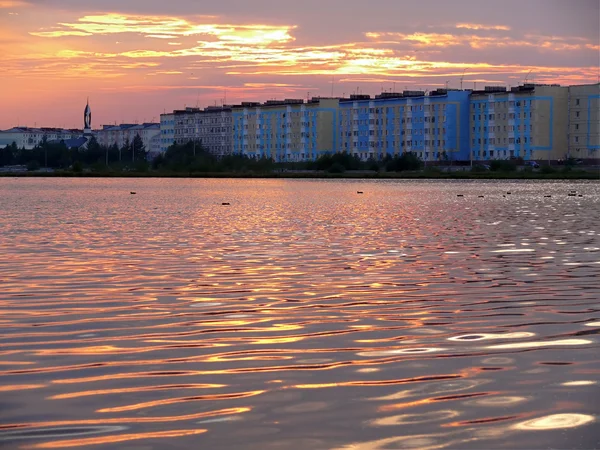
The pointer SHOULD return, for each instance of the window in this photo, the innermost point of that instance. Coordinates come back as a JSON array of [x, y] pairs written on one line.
[[577, 126], [577, 114], [577, 102]]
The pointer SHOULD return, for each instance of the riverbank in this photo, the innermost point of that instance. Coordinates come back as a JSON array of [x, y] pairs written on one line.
[[562, 174]]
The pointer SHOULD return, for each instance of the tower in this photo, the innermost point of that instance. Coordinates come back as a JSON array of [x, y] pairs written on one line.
[[87, 119]]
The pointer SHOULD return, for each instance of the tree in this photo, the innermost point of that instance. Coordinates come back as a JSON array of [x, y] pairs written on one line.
[[7, 154], [138, 149]]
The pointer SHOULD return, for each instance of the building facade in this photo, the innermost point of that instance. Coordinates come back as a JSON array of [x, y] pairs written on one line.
[[28, 138], [584, 121], [434, 126], [528, 122], [167, 131], [286, 130], [125, 133], [209, 127]]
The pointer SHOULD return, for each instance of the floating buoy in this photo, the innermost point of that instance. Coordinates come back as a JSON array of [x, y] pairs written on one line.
[[580, 195], [359, 192], [460, 195], [572, 195], [132, 193], [481, 196], [547, 196], [225, 204], [508, 193]]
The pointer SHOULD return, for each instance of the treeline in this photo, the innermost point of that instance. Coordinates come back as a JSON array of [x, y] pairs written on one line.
[[56, 155], [186, 158], [194, 158]]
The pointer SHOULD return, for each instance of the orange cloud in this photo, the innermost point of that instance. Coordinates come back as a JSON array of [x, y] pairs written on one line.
[[170, 28], [476, 26], [13, 3]]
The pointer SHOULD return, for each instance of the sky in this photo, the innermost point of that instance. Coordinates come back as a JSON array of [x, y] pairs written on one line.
[[137, 59]]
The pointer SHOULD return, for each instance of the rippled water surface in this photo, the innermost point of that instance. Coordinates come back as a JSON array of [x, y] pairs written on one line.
[[302, 315]]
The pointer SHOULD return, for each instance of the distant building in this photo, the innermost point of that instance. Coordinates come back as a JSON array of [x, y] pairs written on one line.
[[434, 126], [167, 131], [528, 121], [209, 127], [125, 133], [584, 121], [286, 130], [28, 138]]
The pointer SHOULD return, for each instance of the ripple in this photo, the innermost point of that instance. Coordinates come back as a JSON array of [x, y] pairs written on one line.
[[539, 344], [404, 419], [302, 311], [555, 422]]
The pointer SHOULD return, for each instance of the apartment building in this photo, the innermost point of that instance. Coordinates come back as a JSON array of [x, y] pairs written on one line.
[[125, 133], [209, 127], [28, 138], [584, 121], [528, 121], [433, 126], [167, 131], [286, 130]]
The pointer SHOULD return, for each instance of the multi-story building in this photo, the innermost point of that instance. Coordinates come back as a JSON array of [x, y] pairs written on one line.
[[584, 121], [433, 126], [286, 130], [210, 127], [28, 138], [167, 131], [528, 121], [125, 133]]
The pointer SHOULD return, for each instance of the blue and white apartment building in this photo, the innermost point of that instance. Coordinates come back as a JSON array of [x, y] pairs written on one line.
[[434, 126], [532, 121]]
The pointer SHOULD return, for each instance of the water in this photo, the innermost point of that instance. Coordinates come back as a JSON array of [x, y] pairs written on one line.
[[301, 316]]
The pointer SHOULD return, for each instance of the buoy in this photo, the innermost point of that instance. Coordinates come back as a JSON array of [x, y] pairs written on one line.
[[508, 193], [460, 195], [359, 192], [572, 195], [225, 204], [580, 195], [481, 196], [547, 196], [132, 193]]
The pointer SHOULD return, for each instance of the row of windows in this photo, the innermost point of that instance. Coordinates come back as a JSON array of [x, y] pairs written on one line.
[[199, 121], [511, 116], [504, 128], [268, 116], [388, 122], [501, 104], [399, 109], [494, 141], [421, 131], [388, 144]]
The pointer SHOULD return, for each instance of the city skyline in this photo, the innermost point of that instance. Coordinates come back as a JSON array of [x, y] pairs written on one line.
[[139, 60]]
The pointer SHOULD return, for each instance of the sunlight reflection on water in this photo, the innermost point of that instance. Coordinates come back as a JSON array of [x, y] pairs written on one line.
[[300, 316]]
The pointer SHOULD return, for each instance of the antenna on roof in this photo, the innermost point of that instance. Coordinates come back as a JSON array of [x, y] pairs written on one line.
[[527, 77], [462, 78], [332, 81]]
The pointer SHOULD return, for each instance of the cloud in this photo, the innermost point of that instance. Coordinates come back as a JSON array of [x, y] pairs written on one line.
[[169, 28], [476, 26], [13, 3]]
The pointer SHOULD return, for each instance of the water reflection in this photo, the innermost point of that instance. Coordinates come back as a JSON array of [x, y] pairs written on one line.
[[404, 318]]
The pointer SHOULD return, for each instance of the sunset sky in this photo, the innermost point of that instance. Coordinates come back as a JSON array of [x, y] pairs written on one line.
[[136, 59]]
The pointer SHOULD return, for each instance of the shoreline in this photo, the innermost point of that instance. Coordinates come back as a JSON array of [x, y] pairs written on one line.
[[458, 175]]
